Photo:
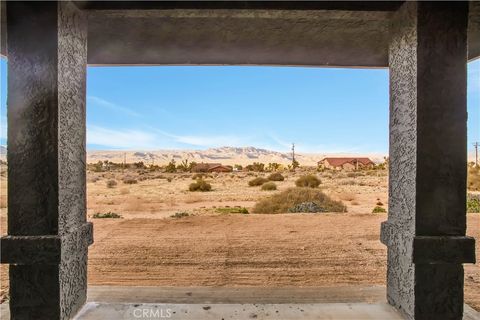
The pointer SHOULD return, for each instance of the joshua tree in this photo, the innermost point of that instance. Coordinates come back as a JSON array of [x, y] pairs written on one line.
[[183, 166], [171, 167]]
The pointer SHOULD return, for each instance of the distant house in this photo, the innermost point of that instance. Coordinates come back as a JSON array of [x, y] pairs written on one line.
[[345, 163], [205, 167], [221, 168]]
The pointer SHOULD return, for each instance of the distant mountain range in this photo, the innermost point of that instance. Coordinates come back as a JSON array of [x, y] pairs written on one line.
[[224, 155]]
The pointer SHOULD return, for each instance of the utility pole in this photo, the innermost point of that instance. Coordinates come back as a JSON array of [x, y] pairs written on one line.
[[293, 152], [124, 161], [476, 144]]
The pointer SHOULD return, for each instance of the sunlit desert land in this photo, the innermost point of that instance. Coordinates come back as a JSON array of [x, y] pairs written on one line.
[[156, 225]]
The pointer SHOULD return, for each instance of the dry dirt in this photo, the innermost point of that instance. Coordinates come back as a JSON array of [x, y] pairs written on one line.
[[148, 247]]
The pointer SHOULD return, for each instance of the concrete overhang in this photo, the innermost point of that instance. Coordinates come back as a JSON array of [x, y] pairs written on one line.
[[343, 34]]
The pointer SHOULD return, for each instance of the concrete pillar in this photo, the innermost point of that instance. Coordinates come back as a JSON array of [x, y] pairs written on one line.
[[48, 235], [425, 231]]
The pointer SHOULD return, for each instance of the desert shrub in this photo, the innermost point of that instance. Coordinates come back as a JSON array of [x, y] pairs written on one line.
[[227, 210], [200, 185], [111, 183], [169, 179], [171, 167], [473, 178], [107, 215], [129, 180], [256, 166], [309, 180], [283, 201], [379, 209], [276, 176], [473, 203], [257, 181], [181, 214], [379, 203], [269, 186]]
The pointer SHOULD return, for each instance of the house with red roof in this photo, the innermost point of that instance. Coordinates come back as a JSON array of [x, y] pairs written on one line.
[[348, 164]]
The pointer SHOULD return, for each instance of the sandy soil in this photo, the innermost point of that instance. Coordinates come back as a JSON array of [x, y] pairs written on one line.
[[148, 247], [249, 250]]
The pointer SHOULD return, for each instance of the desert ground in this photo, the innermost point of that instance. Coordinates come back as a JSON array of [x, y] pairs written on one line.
[[169, 236]]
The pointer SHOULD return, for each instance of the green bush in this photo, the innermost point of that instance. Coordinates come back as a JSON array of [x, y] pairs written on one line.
[[181, 214], [269, 186], [379, 209], [257, 182], [283, 201], [112, 215], [473, 203], [111, 183], [200, 185], [277, 176], [309, 181], [227, 210]]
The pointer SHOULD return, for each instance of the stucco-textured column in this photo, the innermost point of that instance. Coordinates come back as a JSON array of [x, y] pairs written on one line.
[[48, 235], [425, 231]]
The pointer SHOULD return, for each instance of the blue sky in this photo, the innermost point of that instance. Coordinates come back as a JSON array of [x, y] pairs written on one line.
[[197, 107]]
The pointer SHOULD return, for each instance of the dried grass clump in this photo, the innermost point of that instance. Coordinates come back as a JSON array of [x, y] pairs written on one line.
[[129, 180], [283, 201], [473, 179], [269, 186], [257, 182], [309, 181], [200, 185], [111, 183], [276, 176]]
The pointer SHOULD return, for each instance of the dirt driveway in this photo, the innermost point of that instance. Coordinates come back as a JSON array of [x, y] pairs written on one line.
[[249, 250]]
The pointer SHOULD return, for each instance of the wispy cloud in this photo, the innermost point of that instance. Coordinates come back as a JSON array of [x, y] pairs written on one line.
[[151, 138], [112, 106], [281, 144], [204, 140], [121, 139]]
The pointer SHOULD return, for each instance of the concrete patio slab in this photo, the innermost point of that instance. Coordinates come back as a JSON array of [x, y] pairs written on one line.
[[105, 311], [341, 302]]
